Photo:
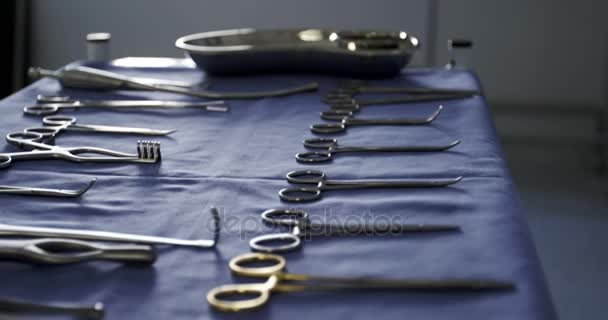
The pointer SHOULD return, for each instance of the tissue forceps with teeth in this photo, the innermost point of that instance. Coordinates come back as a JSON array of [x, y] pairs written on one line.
[[147, 151]]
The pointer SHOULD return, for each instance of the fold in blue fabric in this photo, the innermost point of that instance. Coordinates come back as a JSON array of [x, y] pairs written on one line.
[[237, 161]]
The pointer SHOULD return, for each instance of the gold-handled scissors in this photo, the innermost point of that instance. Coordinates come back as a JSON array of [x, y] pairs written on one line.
[[224, 297]]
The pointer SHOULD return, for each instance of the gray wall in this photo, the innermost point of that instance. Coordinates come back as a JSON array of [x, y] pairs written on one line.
[[543, 52]]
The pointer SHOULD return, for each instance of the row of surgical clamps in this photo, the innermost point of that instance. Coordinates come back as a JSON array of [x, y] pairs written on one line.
[[345, 107]]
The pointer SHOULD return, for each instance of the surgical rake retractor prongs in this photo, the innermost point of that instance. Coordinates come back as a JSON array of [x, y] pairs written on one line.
[[148, 151]]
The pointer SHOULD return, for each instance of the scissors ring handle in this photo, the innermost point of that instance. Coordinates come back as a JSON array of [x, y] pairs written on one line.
[[276, 242], [237, 263], [313, 156], [286, 217], [5, 160], [337, 114], [41, 109], [17, 138], [46, 132], [218, 297], [58, 120], [328, 127], [320, 143], [305, 176], [300, 194]]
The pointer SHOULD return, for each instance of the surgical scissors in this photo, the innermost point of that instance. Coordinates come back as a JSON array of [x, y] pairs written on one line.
[[24, 231], [147, 151], [318, 178], [95, 311], [91, 78], [61, 193], [350, 121], [331, 147], [302, 226], [47, 105], [56, 124], [66, 251], [237, 297]]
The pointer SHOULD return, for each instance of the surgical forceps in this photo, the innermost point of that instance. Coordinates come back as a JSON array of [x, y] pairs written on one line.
[[147, 151], [302, 226], [331, 147], [47, 105], [350, 121], [66, 251], [56, 124], [61, 193], [318, 178], [352, 104], [24, 231], [95, 311], [237, 297], [91, 78]]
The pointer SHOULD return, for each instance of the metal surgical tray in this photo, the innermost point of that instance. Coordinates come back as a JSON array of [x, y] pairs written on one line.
[[347, 53]]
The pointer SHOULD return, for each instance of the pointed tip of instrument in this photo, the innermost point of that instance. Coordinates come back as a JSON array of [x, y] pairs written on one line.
[[170, 131], [88, 186], [455, 143]]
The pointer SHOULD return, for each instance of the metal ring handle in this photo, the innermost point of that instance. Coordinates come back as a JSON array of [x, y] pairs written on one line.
[[276, 217], [17, 138], [315, 176], [327, 128], [313, 156], [300, 194], [337, 114], [271, 243], [41, 109], [218, 297], [320, 143], [58, 120], [237, 263], [5, 160], [41, 98], [46, 132]]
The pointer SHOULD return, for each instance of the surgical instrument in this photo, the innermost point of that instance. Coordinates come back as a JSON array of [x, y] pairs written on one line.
[[318, 178], [95, 311], [350, 121], [303, 227], [47, 105], [66, 251], [91, 78], [147, 151], [350, 91], [61, 193], [238, 297], [24, 231], [357, 53], [353, 104], [56, 124], [331, 147]]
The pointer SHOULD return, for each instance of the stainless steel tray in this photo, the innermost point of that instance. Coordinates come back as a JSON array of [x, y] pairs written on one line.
[[347, 53]]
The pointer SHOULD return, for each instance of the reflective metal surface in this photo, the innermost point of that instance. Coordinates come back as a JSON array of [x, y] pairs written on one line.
[[243, 297], [354, 53]]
